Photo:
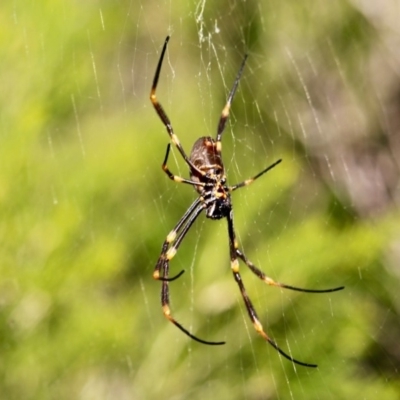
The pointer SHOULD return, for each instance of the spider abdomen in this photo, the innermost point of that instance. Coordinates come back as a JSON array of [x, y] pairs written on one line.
[[206, 157]]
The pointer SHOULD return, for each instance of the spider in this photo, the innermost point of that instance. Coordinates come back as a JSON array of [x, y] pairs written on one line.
[[207, 176]]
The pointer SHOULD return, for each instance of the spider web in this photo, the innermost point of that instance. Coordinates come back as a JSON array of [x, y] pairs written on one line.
[[86, 206]]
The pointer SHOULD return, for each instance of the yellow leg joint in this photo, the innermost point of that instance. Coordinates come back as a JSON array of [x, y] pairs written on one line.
[[225, 111], [175, 139], [171, 236], [258, 326], [235, 265], [166, 311], [170, 253], [269, 281]]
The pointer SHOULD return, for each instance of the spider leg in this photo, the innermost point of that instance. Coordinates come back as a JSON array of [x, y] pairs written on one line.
[[247, 182], [171, 243], [233, 247], [169, 249], [271, 282], [175, 177], [225, 111], [167, 311], [163, 116]]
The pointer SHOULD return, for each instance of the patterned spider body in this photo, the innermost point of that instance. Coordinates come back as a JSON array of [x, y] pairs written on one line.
[[206, 158]]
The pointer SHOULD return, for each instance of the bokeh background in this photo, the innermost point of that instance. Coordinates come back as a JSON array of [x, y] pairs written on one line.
[[85, 206]]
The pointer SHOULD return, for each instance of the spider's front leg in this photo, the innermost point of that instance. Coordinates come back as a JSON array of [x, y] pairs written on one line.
[[163, 115], [177, 178], [234, 253]]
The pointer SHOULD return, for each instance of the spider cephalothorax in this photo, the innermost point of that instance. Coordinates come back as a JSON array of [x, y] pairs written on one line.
[[207, 175]]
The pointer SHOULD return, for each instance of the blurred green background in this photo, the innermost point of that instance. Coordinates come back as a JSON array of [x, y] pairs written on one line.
[[85, 206]]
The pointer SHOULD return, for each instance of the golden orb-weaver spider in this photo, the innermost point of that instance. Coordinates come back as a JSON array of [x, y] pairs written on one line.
[[208, 178]]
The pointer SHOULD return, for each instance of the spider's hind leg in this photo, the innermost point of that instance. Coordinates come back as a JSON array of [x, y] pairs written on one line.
[[269, 281], [174, 239], [167, 311], [235, 253], [168, 251], [254, 318]]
